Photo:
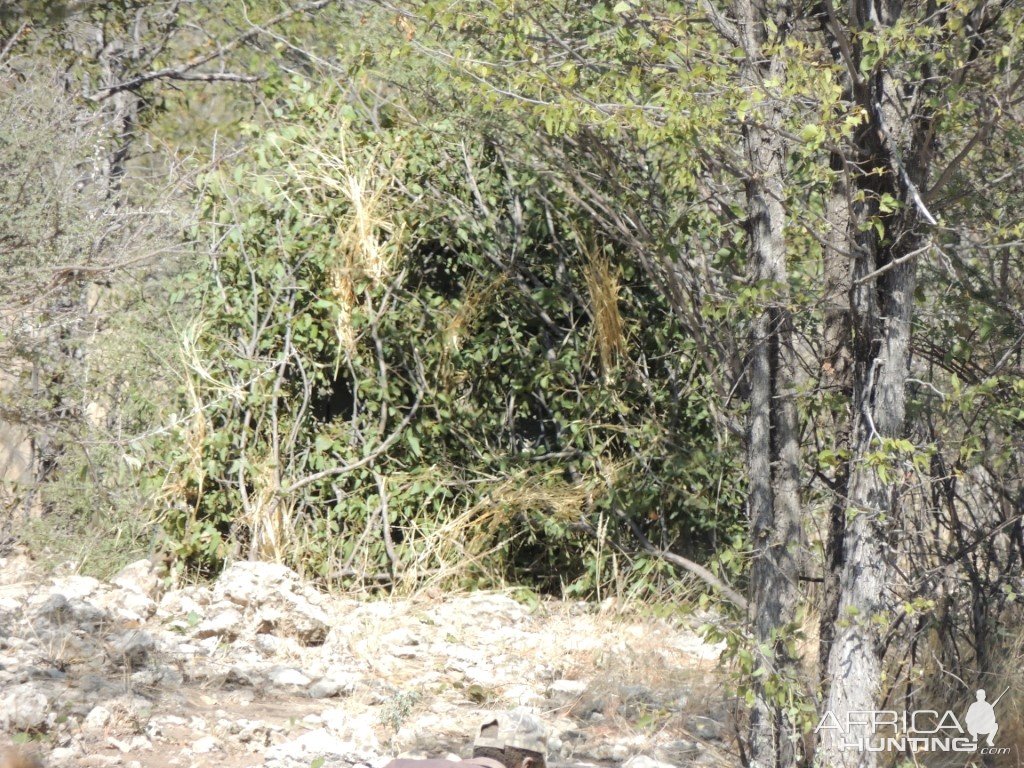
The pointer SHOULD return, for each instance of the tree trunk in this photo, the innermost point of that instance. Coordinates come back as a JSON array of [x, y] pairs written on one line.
[[882, 316], [892, 160], [773, 449], [837, 376]]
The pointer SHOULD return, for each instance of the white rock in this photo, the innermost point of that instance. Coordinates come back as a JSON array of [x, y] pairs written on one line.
[[97, 719], [521, 694], [318, 743], [485, 675], [127, 605], [399, 637], [353, 729], [441, 707], [64, 754], [267, 644], [296, 618], [247, 582], [170, 720], [643, 761], [179, 604], [76, 586], [284, 677], [205, 745], [412, 754], [141, 577], [98, 761], [121, 746], [695, 646], [620, 752], [24, 708], [326, 688], [567, 688], [410, 739], [285, 606], [15, 567], [225, 624]]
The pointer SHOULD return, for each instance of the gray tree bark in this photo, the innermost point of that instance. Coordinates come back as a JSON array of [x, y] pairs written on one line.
[[882, 316], [891, 155], [836, 375], [773, 448]]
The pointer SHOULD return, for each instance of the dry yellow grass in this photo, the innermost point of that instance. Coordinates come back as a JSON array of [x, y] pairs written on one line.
[[368, 240], [466, 538], [609, 328]]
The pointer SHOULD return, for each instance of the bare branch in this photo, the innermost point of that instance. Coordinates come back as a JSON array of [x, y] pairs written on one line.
[[703, 573], [184, 70], [721, 23], [213, 77], [982, 134], [893, 264], [13, 40], [843, 41], [368, 459]]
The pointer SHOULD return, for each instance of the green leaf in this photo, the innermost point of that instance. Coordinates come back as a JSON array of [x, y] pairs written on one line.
[[812, 133]]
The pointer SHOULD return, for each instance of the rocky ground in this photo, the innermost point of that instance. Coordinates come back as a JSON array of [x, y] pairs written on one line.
[[261, 669]]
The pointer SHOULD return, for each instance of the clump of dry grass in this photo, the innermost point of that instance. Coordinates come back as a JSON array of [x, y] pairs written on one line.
[[368, 239], [640, 683], [930, 681], [192, 431], [269, 514], [609, 327], [475, 299], [463, 542]]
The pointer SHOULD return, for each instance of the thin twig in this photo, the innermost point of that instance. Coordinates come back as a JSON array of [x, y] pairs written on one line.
[[368, 459], [184, 71], [892, 264]]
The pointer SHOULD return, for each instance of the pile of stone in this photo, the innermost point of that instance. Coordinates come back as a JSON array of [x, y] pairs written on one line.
[[260, 668]]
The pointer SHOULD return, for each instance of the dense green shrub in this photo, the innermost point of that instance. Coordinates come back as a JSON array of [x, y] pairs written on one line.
[[376, 340]]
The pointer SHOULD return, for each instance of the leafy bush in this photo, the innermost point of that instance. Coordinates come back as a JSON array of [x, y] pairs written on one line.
[[385, 383]]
